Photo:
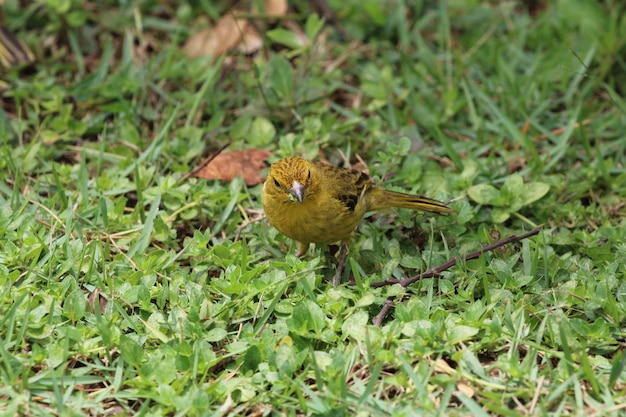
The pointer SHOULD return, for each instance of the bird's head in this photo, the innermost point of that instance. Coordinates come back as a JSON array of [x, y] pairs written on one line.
[[290, 177]]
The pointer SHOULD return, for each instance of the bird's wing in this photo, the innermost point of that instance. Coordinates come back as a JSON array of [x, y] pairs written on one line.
[[346, 186]]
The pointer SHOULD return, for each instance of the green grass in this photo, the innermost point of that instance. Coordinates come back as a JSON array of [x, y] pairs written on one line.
[[127, 289]]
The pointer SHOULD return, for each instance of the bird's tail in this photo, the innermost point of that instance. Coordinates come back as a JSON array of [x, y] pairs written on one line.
[[382, 199], [13, 52]]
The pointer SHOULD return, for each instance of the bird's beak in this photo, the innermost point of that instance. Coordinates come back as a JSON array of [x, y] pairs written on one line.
[[297, 191]]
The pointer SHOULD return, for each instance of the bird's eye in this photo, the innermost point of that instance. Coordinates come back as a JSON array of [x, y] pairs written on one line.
[[276, 183]]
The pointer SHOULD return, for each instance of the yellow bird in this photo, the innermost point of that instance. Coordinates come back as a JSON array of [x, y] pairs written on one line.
[[312, 202]]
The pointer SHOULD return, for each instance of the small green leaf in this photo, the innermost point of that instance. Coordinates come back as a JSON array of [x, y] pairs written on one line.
[[285, 37], [316, 316], [313, 26], [166, 394], [355, 326], [130, 350], [286, 359], [215, 335], [307, 316], [240, 129], [164, 368], [252, 359], [74, 305], [367, 300], [49, 137], [512, 189], [56, 355], [262, 132], [460, 333], [464, 213], [500, 215], [501, 269], [534, 191], [404, 146], [485, 194], [281, 77]]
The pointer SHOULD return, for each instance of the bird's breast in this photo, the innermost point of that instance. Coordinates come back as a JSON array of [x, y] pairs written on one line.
[[315, 220]]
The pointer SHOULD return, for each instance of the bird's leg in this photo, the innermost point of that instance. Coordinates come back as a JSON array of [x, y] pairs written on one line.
[[340, 262], [302, 247]]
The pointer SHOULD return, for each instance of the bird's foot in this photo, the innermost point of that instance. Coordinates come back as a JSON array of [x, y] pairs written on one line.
[[302, 247]]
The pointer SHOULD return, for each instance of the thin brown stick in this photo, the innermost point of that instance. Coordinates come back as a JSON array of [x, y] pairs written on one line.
[[378, 320], [436, 271]]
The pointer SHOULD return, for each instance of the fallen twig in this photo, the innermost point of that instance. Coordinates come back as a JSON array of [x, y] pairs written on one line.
[[436, 271], [378, 320]]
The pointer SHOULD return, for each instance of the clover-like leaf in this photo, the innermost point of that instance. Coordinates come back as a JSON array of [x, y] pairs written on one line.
[[459, 333], [512, 197], [512, 191], [500, 214], [534, 191], [485, 194]]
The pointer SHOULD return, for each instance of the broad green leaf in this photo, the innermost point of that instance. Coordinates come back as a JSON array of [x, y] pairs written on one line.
[[501, 269], [512, 189], [286, 37], [56, 355], [307, 316], [74, 305], [130, 350], [281, 77], [500, 215], [215, 335], [485, 194], [252, 359], [355, 326], [313, 26], [167, 394], [286, 359], [460, 333], [534, 191], [404, 145], [367, 300], [164, 367], [262, 132], [240, 129]]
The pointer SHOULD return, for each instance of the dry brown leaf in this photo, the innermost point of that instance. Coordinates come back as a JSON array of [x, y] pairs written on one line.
[[443, 366], [224, 36], [251, 42], [232, 32], [227, 165], [95, 299], [273, 8], [465, 389]]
